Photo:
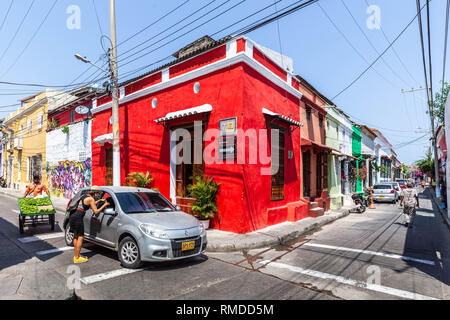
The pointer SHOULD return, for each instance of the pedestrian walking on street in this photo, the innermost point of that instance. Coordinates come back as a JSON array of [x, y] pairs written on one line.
[[410, 198], [87, 201]]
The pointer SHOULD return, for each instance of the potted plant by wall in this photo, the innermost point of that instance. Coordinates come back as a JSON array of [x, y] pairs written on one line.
[[204, 190], [139, 179]]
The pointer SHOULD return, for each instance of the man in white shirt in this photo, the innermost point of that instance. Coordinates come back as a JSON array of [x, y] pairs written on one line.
[[410, 198]]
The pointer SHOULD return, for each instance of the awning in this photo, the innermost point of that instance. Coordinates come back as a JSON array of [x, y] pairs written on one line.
[[106, 138], [185, 113], [306, 142], [281, 117]]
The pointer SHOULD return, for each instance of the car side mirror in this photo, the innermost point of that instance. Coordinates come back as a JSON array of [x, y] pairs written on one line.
[[178, 208], [109, 212]]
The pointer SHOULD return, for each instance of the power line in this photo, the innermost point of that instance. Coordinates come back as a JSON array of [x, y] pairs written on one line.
[[17, 31], [31, 39], [371, 44], [353, 47], [6, 15], [173, 25], [395, 51], [153, 23], [378, 58], [190, 30], [98, 20]]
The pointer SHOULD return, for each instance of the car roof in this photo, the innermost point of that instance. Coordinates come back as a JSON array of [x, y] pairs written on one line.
[[121, 189]]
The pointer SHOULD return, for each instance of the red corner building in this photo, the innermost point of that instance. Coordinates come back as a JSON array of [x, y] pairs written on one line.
[[234, 90]]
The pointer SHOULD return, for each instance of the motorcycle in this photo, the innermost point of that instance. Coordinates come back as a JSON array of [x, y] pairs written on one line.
[[2, 182], [359, 200]]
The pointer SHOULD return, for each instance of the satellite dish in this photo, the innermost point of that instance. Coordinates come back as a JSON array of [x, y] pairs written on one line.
[[82, 110]]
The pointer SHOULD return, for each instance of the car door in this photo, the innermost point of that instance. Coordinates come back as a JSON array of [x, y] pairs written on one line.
[[104, 227]]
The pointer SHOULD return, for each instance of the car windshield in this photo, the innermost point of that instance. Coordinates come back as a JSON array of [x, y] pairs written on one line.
[[142, 202], [382, 186]]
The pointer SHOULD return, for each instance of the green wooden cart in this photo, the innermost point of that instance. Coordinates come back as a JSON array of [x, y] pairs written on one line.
[[36, 211]]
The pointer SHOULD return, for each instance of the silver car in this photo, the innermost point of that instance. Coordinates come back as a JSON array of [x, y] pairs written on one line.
[[384, 192], [141, 225], [397, 188]]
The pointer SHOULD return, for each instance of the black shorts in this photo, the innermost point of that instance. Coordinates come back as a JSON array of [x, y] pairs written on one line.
[[76, 223]]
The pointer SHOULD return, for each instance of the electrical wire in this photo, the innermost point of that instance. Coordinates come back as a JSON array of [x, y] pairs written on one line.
[[98, 20], [178, 37], [371, 44], [17, 31], [6, 15], [378, 58], [354, 48], [29, 41]]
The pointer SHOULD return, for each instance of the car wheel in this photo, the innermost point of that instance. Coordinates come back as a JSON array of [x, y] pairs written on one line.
[[129, 254], [68, 236]]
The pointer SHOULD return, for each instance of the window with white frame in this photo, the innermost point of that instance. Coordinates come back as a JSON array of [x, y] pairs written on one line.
[[29, 125], [39, 121]]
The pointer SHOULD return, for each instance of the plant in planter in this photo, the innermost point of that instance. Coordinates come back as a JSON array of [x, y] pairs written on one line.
[[65, 129], [139, 179], [204, 190]]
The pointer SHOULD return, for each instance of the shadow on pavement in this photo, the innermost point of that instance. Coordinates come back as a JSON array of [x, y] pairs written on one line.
[[424, 241]]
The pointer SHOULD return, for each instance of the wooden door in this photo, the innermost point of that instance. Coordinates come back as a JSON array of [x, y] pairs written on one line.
[[307, 173], [108, 167]]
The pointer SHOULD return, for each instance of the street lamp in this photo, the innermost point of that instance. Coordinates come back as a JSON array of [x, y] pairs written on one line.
[[83, 59]]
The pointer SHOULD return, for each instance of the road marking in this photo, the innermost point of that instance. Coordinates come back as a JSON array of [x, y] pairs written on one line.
[[387, 255], [41, 237], [351, 282], [44, 252], [107, 275]]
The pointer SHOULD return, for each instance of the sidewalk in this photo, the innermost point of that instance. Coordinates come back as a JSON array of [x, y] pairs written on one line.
[[221, 241], [440, 205], [60, 204]]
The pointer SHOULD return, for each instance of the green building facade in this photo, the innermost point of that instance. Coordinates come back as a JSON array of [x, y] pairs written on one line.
[[357, 183]]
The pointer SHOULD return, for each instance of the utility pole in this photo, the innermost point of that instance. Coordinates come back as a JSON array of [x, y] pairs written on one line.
[[115, 98], [433, 136]]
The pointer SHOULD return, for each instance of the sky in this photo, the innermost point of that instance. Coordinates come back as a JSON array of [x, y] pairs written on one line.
[[42, 51]]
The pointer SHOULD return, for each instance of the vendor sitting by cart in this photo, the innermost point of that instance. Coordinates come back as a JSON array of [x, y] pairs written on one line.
[[35, 190]]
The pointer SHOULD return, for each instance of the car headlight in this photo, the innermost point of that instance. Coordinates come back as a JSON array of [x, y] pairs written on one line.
[[201, 227], [153, 232]]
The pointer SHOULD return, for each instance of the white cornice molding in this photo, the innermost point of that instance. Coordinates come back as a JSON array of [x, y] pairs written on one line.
[[240, 57]]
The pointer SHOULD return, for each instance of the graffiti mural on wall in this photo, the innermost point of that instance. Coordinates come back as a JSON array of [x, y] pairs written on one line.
[[67, 177]]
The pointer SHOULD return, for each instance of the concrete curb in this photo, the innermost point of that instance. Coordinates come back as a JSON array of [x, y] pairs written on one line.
[[443, 213], [281, 234]]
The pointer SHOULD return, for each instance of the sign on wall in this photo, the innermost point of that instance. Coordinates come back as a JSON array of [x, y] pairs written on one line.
[[227, 127]]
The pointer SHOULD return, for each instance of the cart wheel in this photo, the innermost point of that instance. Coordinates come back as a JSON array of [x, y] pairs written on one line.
[[20, 224], [52, 221]]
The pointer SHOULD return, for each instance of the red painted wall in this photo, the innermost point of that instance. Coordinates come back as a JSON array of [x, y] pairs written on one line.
[[64, 117]]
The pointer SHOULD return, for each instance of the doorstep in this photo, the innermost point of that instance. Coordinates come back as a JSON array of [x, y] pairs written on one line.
[[282, 233]]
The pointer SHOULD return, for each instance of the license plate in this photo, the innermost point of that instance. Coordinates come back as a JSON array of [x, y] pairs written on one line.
[[381, 196], [190, 245]]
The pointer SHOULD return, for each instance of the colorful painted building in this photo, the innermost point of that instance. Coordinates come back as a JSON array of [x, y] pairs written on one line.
[[358, 169], [383, 154], [368, 155], [244, 97], [26, 140], [68, 146], [334, 165]]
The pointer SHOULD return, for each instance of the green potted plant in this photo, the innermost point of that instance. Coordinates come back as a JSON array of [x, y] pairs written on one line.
[[139, 179], [204, 190]]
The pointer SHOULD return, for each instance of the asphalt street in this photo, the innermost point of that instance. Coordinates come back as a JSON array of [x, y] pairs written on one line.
[[362, 256]]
